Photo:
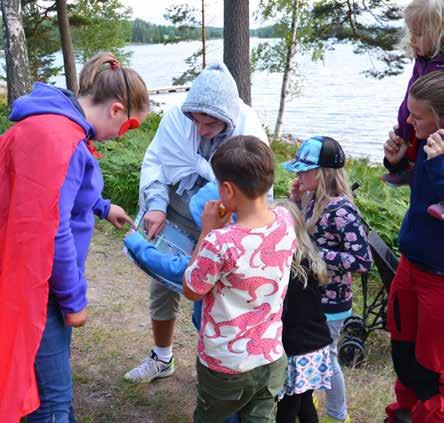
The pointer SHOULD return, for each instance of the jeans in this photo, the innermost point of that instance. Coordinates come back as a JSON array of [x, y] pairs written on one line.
[[336, 402], [53, 370]]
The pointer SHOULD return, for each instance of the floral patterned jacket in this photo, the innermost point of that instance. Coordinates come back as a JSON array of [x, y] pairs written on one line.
[[342, 240]]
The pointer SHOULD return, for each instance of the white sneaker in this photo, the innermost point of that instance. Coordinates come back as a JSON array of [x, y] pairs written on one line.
[[150, 369]]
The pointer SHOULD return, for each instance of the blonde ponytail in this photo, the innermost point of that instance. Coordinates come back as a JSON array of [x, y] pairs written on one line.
[[306, 249]]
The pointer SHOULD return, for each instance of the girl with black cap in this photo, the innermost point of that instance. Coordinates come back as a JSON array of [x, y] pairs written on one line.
[[323, 194]]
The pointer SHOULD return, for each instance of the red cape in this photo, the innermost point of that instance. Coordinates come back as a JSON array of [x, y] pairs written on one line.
[[34, 159]]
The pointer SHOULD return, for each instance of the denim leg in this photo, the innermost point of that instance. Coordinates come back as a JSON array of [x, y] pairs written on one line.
[[53, 371], [336, 402], [197, 314]]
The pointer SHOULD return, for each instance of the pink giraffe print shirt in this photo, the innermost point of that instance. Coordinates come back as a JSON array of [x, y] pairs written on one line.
[[244, 274]]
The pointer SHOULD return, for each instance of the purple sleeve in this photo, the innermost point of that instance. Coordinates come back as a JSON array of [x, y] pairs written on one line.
[[101, 208], [354, 254], [67, 282], [405, 130]]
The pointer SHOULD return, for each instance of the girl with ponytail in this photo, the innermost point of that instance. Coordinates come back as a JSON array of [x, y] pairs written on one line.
[[51, 189]]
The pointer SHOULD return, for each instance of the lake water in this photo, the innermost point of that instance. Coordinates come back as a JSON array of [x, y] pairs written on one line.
[[336, 98]]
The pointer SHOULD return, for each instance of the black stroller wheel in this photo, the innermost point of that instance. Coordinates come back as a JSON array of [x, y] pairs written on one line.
[[351, 352], [354, 326]]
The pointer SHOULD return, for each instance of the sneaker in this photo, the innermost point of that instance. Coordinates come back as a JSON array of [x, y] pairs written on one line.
[[328, 419], [150, 369]]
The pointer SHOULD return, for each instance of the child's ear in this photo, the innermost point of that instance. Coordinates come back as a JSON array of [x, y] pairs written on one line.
[[115, 108], [229, 188]]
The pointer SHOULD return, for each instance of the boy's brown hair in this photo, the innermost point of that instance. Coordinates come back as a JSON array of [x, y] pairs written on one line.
[[247, 162]]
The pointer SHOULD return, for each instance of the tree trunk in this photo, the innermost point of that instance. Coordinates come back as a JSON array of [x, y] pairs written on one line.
[[16, 53], [204, 49], [237, 45], [291, 51], [68, 53]]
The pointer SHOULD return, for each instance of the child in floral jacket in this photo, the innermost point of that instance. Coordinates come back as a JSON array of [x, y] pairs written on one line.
[[334, 223]]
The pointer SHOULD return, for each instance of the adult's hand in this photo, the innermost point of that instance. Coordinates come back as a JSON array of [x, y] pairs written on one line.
[[154, 222], [395, 147], [435, 144], [118, 217], [76, 320]]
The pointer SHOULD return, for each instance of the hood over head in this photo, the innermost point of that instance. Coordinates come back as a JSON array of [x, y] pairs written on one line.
[[214, 92]]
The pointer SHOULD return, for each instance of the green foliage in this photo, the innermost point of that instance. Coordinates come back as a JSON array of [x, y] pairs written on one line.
[[100, 25], [382, 207], [372, 26], [147, 33], [194, 68], [122, 161], [4, 111], [188, 18], [270, 31], [143, 32], [42, 38]]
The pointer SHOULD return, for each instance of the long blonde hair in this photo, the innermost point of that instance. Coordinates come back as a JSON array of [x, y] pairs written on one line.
[[306, 249], [429, 15], [332, 183]]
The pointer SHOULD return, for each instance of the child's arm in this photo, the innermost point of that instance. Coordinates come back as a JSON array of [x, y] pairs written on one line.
[[188, 292], [148, 257], [206, 264], [355, 253]]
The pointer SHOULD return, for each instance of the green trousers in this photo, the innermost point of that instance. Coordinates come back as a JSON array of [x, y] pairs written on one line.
[[252, 394]]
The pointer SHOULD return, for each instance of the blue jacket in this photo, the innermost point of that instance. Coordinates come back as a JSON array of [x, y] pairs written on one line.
[[421, 235], [80, 196]]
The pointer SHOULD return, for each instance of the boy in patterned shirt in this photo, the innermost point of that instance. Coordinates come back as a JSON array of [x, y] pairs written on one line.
[[241, 271]]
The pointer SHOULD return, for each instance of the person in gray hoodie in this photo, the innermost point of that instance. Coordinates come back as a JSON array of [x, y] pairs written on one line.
[[176, 165]]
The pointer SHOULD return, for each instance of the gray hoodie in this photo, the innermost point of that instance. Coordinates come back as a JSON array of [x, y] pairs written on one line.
[[214, 92], [176, 164]]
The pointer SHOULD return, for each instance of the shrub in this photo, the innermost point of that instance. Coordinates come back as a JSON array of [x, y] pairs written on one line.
[[383, 207], [121, 164]]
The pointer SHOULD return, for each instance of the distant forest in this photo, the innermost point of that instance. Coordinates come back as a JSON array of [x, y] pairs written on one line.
[[143, 32]]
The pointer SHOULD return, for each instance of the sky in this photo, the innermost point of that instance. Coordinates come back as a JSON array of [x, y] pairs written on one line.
[[153, 10]]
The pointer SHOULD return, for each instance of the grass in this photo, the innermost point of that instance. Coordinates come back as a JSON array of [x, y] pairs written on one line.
[[118, 335], [383, 207], [118, 332]]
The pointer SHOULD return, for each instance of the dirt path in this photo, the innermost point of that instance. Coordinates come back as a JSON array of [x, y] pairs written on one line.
[[118, 335]]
